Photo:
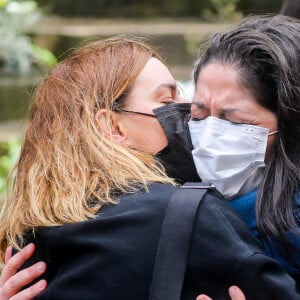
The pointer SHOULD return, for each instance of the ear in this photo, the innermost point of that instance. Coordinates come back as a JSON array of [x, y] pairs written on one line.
[[108, 124]]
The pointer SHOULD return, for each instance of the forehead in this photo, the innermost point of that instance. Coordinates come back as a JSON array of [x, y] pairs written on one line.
[[153, 75], [219, 76], [222, 84]]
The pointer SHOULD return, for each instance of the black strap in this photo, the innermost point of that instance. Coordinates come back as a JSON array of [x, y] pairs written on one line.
[[174, 242]]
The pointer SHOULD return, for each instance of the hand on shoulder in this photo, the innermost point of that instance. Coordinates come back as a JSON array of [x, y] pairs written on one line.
[[12, 282], [234, 292]]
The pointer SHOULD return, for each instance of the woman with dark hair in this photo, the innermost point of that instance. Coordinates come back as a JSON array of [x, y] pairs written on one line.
[[245, 128]]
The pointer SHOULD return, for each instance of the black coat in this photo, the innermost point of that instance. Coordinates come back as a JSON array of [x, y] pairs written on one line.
[[112, 256]]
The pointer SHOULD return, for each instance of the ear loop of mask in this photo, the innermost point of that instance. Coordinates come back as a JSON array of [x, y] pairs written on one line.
[[273, 132], [134, 112], [116, 107]]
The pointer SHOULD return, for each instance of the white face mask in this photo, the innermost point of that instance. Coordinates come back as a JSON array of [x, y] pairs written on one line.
[[231, 156]]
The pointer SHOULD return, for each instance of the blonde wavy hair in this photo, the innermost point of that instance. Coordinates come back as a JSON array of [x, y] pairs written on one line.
[[67, 169]]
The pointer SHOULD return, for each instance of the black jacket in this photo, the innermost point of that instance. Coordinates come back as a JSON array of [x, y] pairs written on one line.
[[112, 256]]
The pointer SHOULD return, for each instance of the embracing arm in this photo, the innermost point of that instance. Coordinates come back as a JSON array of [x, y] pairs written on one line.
[[12, 281], [226, 253]]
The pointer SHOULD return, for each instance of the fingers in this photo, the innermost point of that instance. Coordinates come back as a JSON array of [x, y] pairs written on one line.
[[12, 281], [203, 297], [16, 282], [30, 292], [8, 254], [15, 262], [236, 293]]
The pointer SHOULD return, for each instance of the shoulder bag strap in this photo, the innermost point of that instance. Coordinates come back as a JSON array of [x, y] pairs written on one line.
[[174, 242]]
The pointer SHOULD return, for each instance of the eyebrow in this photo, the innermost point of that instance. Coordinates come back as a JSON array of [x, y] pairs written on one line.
[[172, 86], [230, 110]]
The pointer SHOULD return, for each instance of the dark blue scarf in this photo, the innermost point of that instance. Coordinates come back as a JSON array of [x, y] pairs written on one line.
[[245, 208]]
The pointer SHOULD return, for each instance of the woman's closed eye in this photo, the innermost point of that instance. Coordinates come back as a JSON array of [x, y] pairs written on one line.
[[168, 94], [168, 101]]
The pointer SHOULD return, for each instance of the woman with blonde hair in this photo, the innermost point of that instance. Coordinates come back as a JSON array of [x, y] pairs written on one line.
[[91, 193]]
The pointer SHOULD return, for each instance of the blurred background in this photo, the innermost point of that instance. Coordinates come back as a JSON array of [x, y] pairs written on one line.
[[34, 35]]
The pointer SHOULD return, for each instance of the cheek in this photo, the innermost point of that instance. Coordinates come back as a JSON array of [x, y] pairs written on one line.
[[147, 136], [162, 140], [154, 138]]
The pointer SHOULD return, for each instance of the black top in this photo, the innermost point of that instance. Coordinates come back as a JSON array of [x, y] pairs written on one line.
[[112, 256]]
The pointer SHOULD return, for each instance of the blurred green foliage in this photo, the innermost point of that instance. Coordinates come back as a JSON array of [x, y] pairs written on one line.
[[129, 8], [222, 10], [17, 52], [9, 153], [259, 6], [158, 8]]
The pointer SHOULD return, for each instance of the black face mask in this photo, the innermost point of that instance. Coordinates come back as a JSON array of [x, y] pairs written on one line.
[[177, 157]]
